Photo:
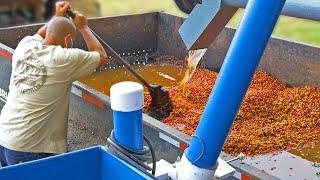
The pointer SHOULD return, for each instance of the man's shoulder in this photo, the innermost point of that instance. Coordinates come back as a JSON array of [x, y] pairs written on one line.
[[30, 38], [64, 55], [28, 42], [73, 53]]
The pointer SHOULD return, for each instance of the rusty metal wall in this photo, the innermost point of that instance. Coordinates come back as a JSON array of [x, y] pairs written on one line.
[[123, 33], [12, 36], [5, 72], [293, 63], [127, 33]]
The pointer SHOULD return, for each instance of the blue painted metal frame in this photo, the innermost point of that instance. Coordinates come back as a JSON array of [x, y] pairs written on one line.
[[94, 163], [234, 78]]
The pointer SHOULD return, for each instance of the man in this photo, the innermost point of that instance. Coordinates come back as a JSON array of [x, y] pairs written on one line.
[[33, 123]]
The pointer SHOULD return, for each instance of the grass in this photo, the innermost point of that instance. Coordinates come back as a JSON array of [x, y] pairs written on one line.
[[116, 7], [289, 28]]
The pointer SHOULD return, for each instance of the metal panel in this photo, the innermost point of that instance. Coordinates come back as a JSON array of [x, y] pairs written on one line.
[[294, 63], [123, 33], [5, 73], [210, 18], [12, 36], [127, 33], [169, 40]]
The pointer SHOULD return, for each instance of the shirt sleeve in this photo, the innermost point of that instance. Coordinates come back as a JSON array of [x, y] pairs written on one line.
[[80, 63], [26, 41], [37, 37]]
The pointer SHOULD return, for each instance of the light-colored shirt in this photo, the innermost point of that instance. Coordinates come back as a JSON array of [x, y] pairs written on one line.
[[35, 116]]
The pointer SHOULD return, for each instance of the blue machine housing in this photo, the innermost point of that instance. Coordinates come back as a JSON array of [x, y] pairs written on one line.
[[94, 163], [128, 130]]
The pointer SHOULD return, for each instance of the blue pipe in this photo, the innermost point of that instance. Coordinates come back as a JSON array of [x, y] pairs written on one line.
[[234, 78]]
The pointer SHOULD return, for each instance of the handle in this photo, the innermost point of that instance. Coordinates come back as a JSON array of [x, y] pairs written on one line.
[[71, 14], [116, 55], [120, 59]]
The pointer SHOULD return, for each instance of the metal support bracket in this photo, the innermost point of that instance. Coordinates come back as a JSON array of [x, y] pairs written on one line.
[[184, 170], [205, 23]]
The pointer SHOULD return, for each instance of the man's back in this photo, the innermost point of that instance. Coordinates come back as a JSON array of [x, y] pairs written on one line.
[[35, 116]]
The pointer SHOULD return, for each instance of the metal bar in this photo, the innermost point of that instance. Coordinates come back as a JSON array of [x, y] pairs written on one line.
[[234, 78], [121, 60], [306, 9]]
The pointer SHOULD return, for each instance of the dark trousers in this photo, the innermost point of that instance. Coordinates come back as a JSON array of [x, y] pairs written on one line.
[[9, 157]]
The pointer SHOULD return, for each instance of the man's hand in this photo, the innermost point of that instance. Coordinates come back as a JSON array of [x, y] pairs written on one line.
[[80, 21], [61, 8], [92, 42]]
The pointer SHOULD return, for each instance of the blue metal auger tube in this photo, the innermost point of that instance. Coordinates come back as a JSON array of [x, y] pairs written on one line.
[[234, 79], [127, 104]]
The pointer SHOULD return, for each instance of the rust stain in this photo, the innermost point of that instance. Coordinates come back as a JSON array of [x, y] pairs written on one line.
[[92, 100], [6, 54], [246, 177], [183, 146]]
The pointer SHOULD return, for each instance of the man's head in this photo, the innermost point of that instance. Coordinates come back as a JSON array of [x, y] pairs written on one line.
[[61, 31]]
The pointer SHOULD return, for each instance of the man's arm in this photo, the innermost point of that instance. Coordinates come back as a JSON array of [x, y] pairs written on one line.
[[92, 42], [61, 8]]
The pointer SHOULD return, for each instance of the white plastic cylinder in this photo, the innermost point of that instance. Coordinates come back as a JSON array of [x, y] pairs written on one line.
[[126, 96]]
